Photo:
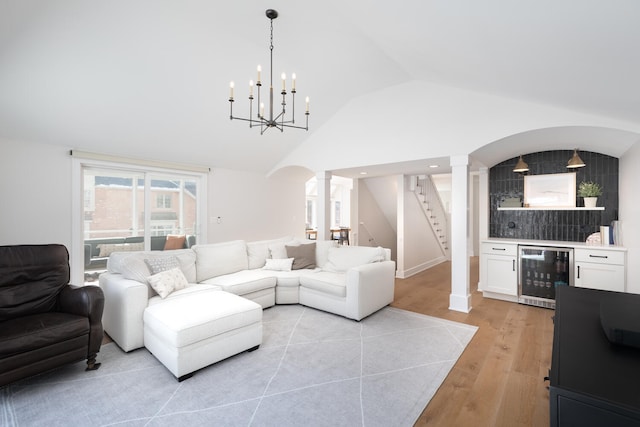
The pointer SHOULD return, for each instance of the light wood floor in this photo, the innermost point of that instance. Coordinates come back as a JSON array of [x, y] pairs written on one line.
[[499, 379]]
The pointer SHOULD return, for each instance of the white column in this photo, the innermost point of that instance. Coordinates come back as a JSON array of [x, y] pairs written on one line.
[[460, 298], [483, 204], [354, 236], [403, 185], [323, 205], [483, 210]]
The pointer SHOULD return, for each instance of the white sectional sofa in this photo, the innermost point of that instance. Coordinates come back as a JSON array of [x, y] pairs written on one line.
[[350, 281]]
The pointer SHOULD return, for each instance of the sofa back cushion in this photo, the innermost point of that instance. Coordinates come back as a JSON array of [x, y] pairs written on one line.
[[258, 251], [31, 277], [342, 258], [132, 265], [216, 259], [278, 250]]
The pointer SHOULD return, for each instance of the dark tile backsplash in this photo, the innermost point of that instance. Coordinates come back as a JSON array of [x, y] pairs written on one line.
[[567, 226]]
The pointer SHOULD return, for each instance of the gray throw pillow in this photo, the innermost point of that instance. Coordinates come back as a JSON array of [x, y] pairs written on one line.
[[159, 264], [304, 256]]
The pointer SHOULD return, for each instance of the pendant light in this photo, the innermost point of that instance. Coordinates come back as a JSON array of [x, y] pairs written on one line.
[[575, 161], [521, 166]]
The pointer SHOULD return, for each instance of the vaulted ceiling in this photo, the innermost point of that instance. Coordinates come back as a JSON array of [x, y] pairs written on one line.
[[150, 78]]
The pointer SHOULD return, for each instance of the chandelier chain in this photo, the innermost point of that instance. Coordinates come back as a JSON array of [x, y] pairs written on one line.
[[271, 53]]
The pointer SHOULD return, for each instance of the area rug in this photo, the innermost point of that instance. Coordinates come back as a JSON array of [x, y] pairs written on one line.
[[313, 369]]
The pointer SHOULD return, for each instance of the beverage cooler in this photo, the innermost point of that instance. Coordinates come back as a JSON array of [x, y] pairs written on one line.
[[541, 271]]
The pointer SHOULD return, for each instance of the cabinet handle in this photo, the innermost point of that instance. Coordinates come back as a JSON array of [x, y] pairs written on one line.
[[578, 272], [599, 256], [514, 264], [498, 249]]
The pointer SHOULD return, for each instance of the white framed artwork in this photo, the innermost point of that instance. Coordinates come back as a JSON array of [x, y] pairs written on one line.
[[557, 190]]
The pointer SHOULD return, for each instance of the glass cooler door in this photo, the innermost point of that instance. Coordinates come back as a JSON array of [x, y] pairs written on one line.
[[542, 270]]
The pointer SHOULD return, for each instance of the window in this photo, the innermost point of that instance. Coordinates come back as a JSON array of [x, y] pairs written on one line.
[[163, 201], [128, 208], [310, 213], [336, 214]]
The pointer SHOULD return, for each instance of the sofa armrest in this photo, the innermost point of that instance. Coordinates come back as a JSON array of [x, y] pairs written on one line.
[[86, 301], [369, 288], [125, 302]]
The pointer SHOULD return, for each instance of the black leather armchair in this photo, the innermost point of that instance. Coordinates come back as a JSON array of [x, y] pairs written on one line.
[[44, 322]]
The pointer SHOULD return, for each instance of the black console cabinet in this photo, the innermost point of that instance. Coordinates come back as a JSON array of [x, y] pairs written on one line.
[[592, 382]]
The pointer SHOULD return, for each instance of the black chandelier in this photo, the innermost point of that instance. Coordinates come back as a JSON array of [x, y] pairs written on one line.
[[270, 121]]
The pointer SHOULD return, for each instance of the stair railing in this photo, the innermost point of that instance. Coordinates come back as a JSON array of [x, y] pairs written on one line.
[[433, 209]]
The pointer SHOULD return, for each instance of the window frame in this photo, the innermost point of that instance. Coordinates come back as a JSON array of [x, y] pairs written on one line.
[[149, 172]]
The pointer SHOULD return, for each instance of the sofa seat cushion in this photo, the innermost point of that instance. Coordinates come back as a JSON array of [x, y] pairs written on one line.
[[327, 282], [185, 292], [291, 279], [179, 322], [36, 331], [245, 281]]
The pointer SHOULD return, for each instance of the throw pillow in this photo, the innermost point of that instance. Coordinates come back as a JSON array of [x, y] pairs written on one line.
[[174, 242], [168, 281], [277, 251], [107, 249], [304, 256], [280, 264], [133, 267], [159, 264]]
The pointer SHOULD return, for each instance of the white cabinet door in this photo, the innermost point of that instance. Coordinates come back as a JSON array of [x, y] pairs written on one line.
[[608, 277], [600, 269], [498, 269]]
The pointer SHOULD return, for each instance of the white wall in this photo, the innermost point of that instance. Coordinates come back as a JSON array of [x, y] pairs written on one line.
[[374, 228], [385, 192], [629, 213], [252, 207], [35, 189], [418, 241]]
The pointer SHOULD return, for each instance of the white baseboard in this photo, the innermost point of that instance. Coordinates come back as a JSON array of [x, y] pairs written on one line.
[[403, 274]]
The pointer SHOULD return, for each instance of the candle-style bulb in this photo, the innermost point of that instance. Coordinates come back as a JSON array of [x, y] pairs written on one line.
[[250, 87], [293, 81], [284, 79], [231, 85], [307, 101], [259, 71]]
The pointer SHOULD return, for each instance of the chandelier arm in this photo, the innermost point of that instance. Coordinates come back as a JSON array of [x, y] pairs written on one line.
[[295, 127]]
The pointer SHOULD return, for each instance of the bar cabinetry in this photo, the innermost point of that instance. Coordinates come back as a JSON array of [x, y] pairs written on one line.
[[594, 267]]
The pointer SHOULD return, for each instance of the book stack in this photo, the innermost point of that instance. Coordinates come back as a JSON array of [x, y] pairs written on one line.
[[610, 234], [605, 235]]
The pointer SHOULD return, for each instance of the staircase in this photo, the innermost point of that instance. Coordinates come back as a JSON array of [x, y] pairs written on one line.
[[433, 209]]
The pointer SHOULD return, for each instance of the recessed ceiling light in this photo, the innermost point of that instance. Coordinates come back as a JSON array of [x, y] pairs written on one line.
[[434, 166], [363, 173]]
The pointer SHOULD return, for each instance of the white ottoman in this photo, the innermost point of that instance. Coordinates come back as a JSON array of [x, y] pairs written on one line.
[[194, 330]]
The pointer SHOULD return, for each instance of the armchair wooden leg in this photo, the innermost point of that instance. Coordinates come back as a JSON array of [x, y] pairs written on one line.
[[91, 363]]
